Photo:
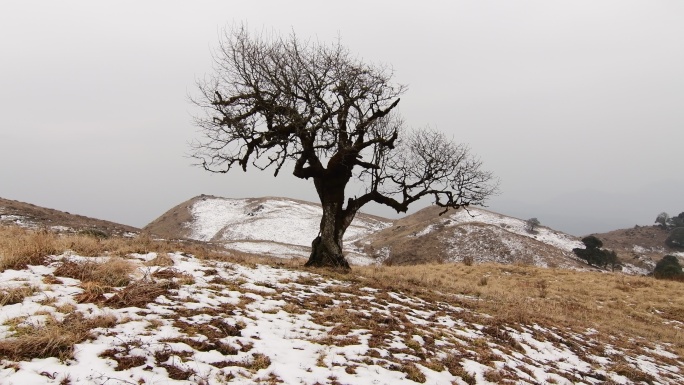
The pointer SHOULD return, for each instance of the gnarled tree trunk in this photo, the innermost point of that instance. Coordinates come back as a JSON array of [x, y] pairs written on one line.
[[326, 249]]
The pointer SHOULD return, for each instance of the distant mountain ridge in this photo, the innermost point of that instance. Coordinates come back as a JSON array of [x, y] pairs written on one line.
[[285, 227], [29, 215]]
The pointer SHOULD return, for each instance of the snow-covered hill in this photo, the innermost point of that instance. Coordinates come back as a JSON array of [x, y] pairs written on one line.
[[284, 227], [272, 226], [475, 233]]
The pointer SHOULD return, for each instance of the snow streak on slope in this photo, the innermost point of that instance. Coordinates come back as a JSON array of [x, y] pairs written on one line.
[[542, 234], [274, 226]]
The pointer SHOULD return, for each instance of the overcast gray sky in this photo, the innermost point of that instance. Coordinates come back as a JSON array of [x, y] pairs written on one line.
[[577, 106]]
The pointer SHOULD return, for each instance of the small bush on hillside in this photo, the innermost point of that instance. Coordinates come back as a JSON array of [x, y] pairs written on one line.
[[95, 233], [592, 251], [677, 221], [676, 238], [595, 255], [668, 268]]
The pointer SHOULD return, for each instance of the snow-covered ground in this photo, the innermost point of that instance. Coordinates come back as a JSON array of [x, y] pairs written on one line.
[[11, 219], [228, 323], [289, 225]]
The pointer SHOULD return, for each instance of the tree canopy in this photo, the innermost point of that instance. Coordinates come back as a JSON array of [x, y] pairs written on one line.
[[531, 224], [670, 222], [274, 101]]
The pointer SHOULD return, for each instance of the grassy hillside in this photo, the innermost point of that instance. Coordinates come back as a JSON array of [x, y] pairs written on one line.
[[640, 245], [82, 310]]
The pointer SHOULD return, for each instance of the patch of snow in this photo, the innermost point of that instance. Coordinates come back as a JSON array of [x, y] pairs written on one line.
[[61, 228], [638, 249], [425, 231], [269, 248], [631, 269], [18, 220]]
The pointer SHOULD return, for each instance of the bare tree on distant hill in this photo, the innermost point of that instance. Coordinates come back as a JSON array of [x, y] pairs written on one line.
[[532, 224], [277, 99]]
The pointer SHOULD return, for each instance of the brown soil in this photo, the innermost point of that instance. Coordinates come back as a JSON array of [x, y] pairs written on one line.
[[42, 217], [172, 224]]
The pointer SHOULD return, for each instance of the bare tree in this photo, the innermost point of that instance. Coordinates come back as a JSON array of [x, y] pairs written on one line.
[[532, 224], [274, 100]]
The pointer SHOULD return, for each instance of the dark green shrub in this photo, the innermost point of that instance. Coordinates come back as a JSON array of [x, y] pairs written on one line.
[[591, 242], [595, 255], [676, 238], [668, 267], [677, 221], [95, 233]]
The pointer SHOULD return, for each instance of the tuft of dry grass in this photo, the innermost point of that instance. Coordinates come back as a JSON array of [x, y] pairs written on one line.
[[113, 272], [92, 292], [170, 273], [139, 293], [413, 373], [54, 338], [257, 362], [162, 259], [9, 296]]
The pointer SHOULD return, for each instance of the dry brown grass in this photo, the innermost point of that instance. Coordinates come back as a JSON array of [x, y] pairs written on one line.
[[12, 295], [53, 339], [413, 373], [113, 272], [20, 247], [611, 303], [257, 362], [139, 293], [162, 259], [614, 304]]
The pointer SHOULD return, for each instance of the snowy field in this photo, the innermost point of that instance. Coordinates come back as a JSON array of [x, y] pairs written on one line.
[[219, 323]]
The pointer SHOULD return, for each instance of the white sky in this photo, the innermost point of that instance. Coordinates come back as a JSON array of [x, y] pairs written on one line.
[[577, 106]]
